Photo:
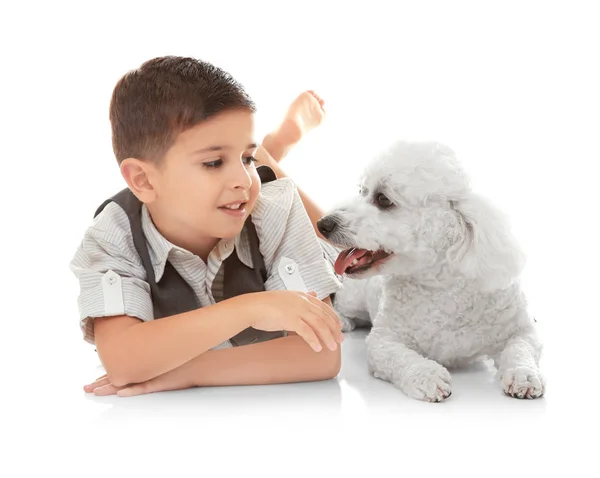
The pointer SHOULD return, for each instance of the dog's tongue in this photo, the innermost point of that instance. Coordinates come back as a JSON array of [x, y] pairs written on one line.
[[345, 259]]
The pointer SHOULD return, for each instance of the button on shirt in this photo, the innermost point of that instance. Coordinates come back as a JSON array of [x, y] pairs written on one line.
[[287, 241]]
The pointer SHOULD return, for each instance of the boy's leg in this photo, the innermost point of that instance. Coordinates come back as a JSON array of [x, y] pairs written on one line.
[[304, 114]]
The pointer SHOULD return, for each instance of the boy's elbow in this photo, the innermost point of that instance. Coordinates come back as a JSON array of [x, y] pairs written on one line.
[[121, 378], [119, 372], [337, 362], [118, 375], [122, 371], [116, 349], [332, 365]]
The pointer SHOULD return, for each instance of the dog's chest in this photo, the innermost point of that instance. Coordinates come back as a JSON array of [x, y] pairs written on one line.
[[447, 326]]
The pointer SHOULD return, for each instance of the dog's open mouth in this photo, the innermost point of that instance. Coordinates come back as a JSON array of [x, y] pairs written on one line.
[[352, 261]]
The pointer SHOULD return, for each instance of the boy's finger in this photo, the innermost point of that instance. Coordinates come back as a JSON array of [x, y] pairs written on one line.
[[98, 379], [108, 389], [332, 319], [98, 383], [320, 326], [334, 324]]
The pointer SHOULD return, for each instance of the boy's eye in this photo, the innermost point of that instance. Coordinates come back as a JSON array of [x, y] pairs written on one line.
[[217, 163], [213, 164]]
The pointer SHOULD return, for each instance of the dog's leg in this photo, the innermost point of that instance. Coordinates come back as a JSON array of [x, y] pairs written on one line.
[[348, 325], [518, 367], [418, 377], [350, 304]]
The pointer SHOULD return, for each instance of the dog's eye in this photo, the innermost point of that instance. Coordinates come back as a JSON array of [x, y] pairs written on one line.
[[383, 201]]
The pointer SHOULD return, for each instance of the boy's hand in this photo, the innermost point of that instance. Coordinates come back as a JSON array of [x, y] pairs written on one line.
[[101, 386], [174, 380], [299, 312]]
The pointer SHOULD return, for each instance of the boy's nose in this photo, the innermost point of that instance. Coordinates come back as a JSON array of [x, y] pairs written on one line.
[[242, 179]]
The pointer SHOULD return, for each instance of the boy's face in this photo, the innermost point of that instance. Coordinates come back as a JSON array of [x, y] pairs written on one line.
[[207, 184]]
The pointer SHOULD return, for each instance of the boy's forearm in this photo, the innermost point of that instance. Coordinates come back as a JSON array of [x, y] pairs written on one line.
[[283, 360], [146, 350]]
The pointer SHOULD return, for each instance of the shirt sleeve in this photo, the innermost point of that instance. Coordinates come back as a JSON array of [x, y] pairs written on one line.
[[287, 237], [110, 274]]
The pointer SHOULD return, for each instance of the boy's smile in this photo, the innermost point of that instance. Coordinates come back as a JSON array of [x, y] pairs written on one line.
[[235, 209]]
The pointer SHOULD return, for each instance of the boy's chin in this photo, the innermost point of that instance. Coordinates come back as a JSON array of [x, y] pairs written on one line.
[[229, 232], [229, 227]]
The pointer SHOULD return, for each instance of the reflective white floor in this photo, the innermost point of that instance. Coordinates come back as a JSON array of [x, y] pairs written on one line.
[[352, 423]]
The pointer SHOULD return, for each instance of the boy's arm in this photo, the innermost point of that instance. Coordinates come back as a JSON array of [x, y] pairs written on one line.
[[133, 351], [283, 360]]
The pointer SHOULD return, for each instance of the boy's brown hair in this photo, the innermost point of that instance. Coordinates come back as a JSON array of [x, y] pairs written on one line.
[[165, 96]]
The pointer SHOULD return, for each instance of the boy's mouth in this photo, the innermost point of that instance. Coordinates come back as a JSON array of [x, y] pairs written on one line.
[[235, 209]]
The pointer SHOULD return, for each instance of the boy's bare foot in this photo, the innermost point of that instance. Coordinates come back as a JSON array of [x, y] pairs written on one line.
[[304, 114]]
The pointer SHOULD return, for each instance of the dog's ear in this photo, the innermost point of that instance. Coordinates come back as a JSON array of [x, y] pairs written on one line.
[[486, 250]]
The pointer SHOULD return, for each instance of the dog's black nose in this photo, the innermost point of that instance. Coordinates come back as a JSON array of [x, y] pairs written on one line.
[[326, 225]]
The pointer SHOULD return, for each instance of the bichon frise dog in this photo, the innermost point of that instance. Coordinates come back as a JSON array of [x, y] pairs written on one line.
[[434, 268]]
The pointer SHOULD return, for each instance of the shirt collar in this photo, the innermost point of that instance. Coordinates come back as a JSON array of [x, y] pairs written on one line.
[[160, 248]]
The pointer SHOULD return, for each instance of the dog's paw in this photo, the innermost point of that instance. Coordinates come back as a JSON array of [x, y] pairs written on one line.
[[348, 325], [523, 382], [427, 381]]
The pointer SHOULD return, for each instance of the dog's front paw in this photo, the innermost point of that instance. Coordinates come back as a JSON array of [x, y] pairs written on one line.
[[427, 381], [523, 382], [348, 325]]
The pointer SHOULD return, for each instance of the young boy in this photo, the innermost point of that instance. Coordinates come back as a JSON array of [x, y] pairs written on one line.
[[183, 138]]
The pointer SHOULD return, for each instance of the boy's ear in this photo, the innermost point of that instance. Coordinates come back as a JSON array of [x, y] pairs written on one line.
[[138, 176]]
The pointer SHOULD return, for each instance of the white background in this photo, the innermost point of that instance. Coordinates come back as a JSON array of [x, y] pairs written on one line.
[[511, 86]]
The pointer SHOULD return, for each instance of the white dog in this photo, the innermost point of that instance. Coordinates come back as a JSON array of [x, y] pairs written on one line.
[[435, 269]]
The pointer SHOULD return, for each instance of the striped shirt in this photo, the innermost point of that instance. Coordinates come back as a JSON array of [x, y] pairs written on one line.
[[283, 228]]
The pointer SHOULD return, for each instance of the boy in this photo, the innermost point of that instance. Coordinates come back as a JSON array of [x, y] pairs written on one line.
[[183, 137]]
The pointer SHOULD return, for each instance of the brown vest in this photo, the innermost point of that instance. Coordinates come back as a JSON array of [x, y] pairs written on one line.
[[173, 295]]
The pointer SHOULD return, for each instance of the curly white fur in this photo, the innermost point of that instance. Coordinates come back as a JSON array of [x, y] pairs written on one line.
[[449, 294]]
